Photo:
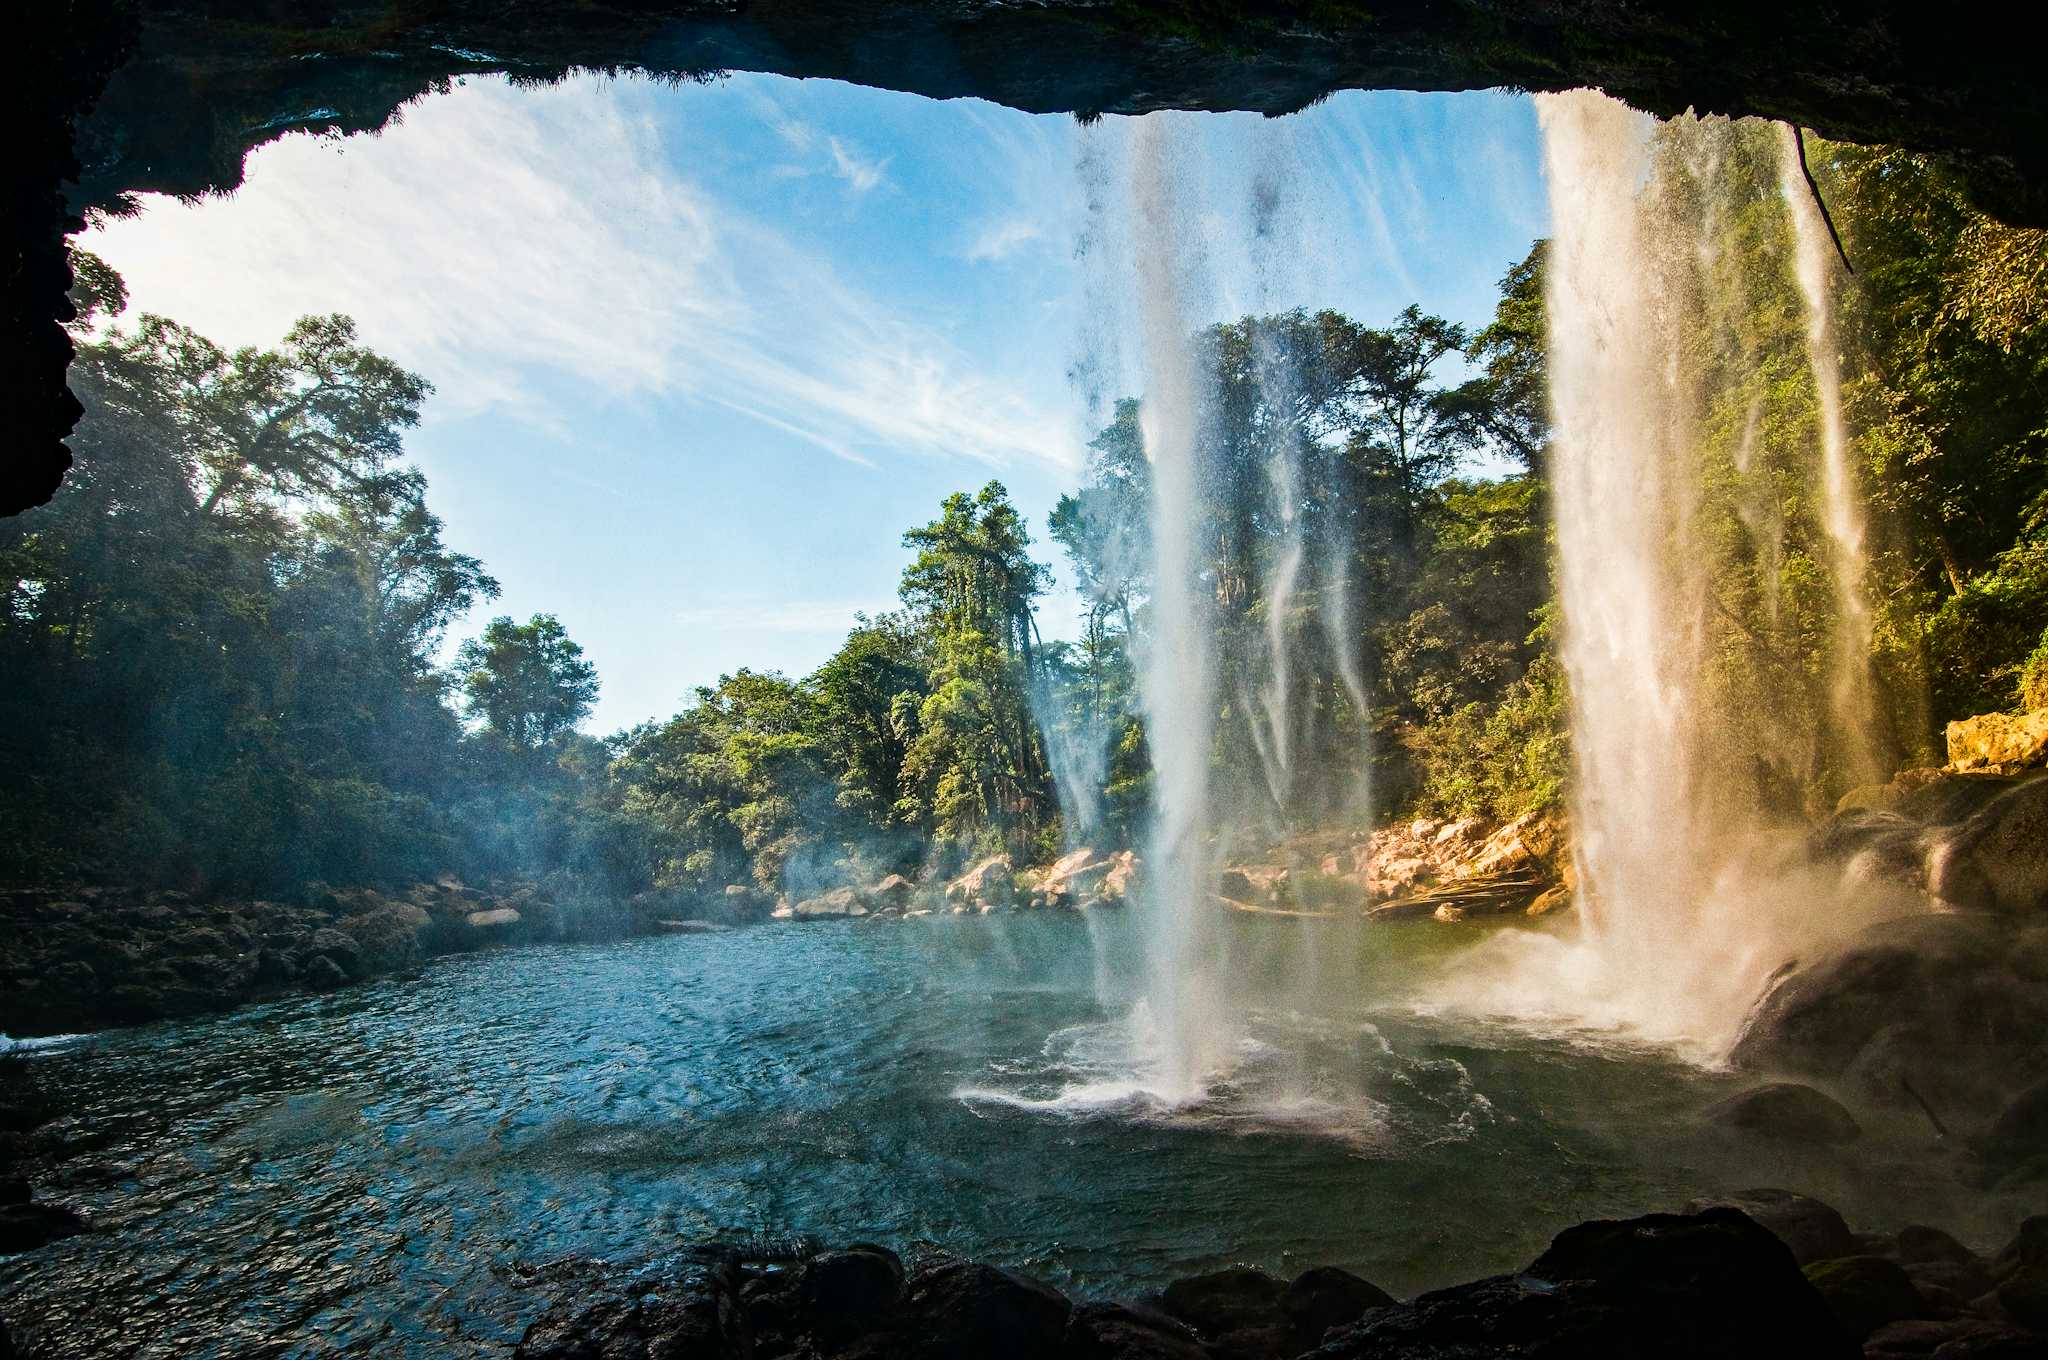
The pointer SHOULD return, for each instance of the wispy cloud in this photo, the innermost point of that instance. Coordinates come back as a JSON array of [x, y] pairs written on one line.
[[1002, 238], [857, 170], [503, 241]]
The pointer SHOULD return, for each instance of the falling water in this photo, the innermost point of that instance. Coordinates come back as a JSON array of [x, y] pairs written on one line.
[[1176, 675], [1853, 699], [1689, 899], [1629, 650]]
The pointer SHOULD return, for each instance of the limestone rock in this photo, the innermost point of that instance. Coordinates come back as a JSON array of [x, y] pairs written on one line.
[[840, 902], [990, 884], [2008, 741], [894, 891]]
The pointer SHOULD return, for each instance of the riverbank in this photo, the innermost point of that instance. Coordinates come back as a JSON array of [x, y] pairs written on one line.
[[1764, 1273], [83, 958]]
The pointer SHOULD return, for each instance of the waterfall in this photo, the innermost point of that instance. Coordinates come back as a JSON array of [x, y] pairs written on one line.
[[1854, 700], [1690, 895], [1631, 646], [1176, 676]]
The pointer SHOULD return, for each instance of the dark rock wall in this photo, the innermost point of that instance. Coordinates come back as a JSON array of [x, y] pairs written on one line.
[[211, 79]]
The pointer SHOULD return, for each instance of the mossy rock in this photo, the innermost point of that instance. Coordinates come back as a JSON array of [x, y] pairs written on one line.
[[1866, 1292]]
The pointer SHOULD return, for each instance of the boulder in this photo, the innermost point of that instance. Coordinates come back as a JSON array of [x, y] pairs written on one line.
[[322, 974], [1524, 845], [1866, 1292], [894, 891], [1071, 879], [1998, 859], [846, 1293], [496, 920], [1118, 880], [964, 1310], [1219, 1302], [2007, 741], [1236, 886], [991, 883], [1671, 1286], [1323, 1297], [1935, 1008], [1810, 1230], [386, 936], [1786, 1112], [1952, 1339], [696, 1316], [2020, 1131], [840, 902], [339, 949], [31, 1224], [1918, 1244], [1116, 1331]]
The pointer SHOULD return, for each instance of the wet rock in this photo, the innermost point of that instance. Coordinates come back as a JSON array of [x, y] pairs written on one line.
[[322, 974], [2024, 1295], [697, 1318], [1920, 1244], [1998, 860], [851, 1291], [1934, 1008], [1324, 1297], [1115, 1331], [31, 1224], [1949, 1338], [1673, 1286], [1788, 1112], [1810, 1230], [963, 1310], [1948, 1286], [1866, 1292], [1224, 1301], [2021, 1129], [339, 949], [386, 937]]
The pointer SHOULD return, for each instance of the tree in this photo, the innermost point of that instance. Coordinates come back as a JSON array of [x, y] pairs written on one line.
[[526, 682]]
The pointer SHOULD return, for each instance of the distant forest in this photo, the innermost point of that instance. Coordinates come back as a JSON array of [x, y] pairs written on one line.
[[221, 646]]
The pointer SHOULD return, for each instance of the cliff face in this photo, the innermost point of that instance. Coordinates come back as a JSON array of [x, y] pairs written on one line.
[[118, 96]]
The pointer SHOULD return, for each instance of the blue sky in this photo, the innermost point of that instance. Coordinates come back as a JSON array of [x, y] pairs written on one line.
[[703, 353]]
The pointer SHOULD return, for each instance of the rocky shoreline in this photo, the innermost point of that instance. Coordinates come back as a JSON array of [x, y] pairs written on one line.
[[1765, 1273], [84, 958]]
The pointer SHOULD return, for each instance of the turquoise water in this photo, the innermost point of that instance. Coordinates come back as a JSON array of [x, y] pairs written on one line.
[[379, 1171]]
